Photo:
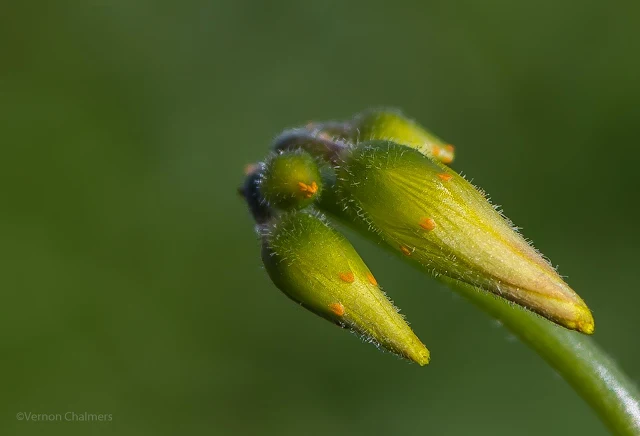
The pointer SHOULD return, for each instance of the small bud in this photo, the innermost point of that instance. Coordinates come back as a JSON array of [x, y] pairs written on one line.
[[430, 214], [393, 126], [317, 267], [291, 180]]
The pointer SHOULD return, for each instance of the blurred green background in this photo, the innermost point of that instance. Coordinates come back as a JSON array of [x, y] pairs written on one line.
[[130, 274]]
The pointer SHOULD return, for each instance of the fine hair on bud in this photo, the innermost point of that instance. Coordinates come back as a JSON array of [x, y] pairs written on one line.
[[392, 125], [290, 179], [317, 267], [428, 213], [250, 191], [313, 139]]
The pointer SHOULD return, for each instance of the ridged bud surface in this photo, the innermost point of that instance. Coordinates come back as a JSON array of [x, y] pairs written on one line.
[[430, 214]]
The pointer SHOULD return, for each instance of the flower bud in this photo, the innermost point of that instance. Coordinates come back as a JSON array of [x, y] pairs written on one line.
[[393, 126], [430, 214], [318, 268], [291, 180]]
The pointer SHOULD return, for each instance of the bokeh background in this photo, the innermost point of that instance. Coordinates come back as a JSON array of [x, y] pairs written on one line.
[[130, 274]]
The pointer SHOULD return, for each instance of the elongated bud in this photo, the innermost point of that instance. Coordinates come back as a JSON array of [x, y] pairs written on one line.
[[430, 214], [317, 267], [291, 180], [393, 126]]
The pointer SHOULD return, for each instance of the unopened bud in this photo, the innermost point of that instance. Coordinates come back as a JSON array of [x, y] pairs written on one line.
[[317, 267], [393, 126], [291, 180], [430, 214]]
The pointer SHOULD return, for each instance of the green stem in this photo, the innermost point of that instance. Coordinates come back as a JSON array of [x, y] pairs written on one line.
[[591, 372], [575, 356]]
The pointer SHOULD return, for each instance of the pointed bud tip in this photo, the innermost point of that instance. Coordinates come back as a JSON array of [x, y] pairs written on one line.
[[419, 355], [584, 322], [317, 267]]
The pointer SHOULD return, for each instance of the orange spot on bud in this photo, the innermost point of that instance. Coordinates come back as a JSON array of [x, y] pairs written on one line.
[[445, 177], [405, 250], [436, 151], [428, 224], [449, 148], [337, 308], [372, 279], [347, 277], [308, 190], [447, 159]]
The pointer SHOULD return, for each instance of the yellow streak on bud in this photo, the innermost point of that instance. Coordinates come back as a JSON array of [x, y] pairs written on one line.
[[347, 277], [337, 308], [372, 279], [428, 224]]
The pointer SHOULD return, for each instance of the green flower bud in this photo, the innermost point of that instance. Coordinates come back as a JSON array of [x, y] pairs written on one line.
[[430, 214], [393, 126], [291, 180], [383, 124], [318, 268]]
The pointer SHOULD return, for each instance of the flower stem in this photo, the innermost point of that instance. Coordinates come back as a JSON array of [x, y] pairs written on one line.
[[575, 356], [588, 369]]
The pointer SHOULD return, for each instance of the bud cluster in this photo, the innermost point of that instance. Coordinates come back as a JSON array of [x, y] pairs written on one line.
[[387, 176]]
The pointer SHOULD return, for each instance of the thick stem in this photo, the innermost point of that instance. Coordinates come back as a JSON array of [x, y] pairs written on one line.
[[591, 372]]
